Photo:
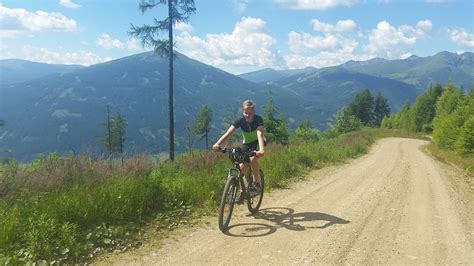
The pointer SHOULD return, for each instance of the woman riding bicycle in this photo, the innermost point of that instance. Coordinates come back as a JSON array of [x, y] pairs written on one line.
[[252, 128]]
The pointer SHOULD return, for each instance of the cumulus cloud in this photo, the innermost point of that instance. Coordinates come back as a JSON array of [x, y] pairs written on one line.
[[340, 26], [68, 4], [334, 44], [323, 58], [463, 38], [108, 43], [45, 55], [248, 44], [181, 26], [314, 5], [17, 21], [133, 44], [395, 43]]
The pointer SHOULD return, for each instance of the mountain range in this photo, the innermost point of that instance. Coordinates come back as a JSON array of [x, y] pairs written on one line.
[[15, 70], [58, 107]]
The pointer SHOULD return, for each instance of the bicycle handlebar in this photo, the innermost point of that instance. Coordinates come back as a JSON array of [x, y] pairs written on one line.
[[237, 154]]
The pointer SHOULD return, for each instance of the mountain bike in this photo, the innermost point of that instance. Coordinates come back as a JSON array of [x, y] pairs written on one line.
[[236, 189]]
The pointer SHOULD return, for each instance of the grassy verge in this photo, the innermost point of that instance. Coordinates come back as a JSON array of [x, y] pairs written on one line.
[[69, 209], [465, 162]]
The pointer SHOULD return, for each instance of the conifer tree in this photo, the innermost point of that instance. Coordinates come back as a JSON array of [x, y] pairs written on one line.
[[178, 11], [362, 107], [381, 109], [114, 137], [203, 122], [276, 128]]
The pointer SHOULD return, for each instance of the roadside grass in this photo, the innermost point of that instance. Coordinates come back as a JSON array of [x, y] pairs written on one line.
[[464, 161], [71, 209]]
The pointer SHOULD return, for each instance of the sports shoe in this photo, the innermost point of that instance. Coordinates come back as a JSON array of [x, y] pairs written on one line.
[[254, 189]]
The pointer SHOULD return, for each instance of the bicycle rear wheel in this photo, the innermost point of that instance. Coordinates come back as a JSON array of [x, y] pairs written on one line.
[[254, 200], [227, 202]]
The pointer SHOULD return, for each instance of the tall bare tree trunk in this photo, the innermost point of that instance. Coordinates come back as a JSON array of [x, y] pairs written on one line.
[[170, 92]]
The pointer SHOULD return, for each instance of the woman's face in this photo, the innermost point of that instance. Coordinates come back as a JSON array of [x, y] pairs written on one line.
[[249, 112]]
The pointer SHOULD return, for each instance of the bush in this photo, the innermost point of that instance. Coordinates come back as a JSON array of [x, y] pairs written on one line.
[[465, 142], [47, 239]]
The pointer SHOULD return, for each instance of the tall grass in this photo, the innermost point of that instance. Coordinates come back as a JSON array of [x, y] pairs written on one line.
[[66, 209]]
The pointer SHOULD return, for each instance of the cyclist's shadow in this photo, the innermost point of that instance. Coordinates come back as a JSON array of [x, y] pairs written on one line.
[[284, 218]]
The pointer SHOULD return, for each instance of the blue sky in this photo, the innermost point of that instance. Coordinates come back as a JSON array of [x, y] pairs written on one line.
[[240, 35]]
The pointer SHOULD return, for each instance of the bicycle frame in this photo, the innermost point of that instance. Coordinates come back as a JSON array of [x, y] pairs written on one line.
[[239, 175]]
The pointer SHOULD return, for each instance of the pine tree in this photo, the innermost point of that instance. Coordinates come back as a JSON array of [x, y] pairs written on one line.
[[178, 11], [114, 138], [118, 131], [276, 128], [203, 122], [362, 107], [381, 109], [450, 117]]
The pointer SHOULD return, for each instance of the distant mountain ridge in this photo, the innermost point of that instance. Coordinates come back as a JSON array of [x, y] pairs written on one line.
[[17, 70], [422, 71], [64, 111], [271, 75], [417, 71]]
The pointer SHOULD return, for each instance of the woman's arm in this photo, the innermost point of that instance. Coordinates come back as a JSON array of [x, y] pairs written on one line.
[[224, 137], [261, 143]]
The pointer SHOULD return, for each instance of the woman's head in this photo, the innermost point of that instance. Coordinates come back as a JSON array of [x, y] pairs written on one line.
[[248, 108]]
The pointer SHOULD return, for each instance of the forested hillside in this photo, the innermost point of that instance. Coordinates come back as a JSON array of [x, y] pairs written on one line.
[[446, 112]]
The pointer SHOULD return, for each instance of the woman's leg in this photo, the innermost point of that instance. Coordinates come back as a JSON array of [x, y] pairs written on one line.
[[255, 169], [243, 168]]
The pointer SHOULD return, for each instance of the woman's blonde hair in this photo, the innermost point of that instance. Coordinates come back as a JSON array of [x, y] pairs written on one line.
[[248, 103]]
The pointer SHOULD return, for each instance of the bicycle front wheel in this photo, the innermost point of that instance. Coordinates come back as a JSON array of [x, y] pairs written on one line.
[[227, 202], [254, 199]]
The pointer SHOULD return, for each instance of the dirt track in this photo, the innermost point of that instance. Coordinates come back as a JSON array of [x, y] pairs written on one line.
[[394, 205]]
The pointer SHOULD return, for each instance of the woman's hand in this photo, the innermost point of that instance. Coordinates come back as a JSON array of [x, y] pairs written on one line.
[[259, 154], [216, 147]]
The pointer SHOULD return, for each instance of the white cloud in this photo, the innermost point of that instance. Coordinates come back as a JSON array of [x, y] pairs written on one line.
[[181, 26], [314, 4], [248, 44], [462, 38], [340, 26], [69, 4], [108, 43], [45, 55], [319, 51], [336, 44], [424, 25], [5, 52], [322, 59], [304, 42], [389, 42], [17, 21], [133, 44]]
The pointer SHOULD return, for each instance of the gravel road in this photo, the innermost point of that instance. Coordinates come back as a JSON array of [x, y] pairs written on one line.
[[394, 205]]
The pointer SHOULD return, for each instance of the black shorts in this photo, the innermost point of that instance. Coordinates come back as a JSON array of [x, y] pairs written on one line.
[[252, 146]]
